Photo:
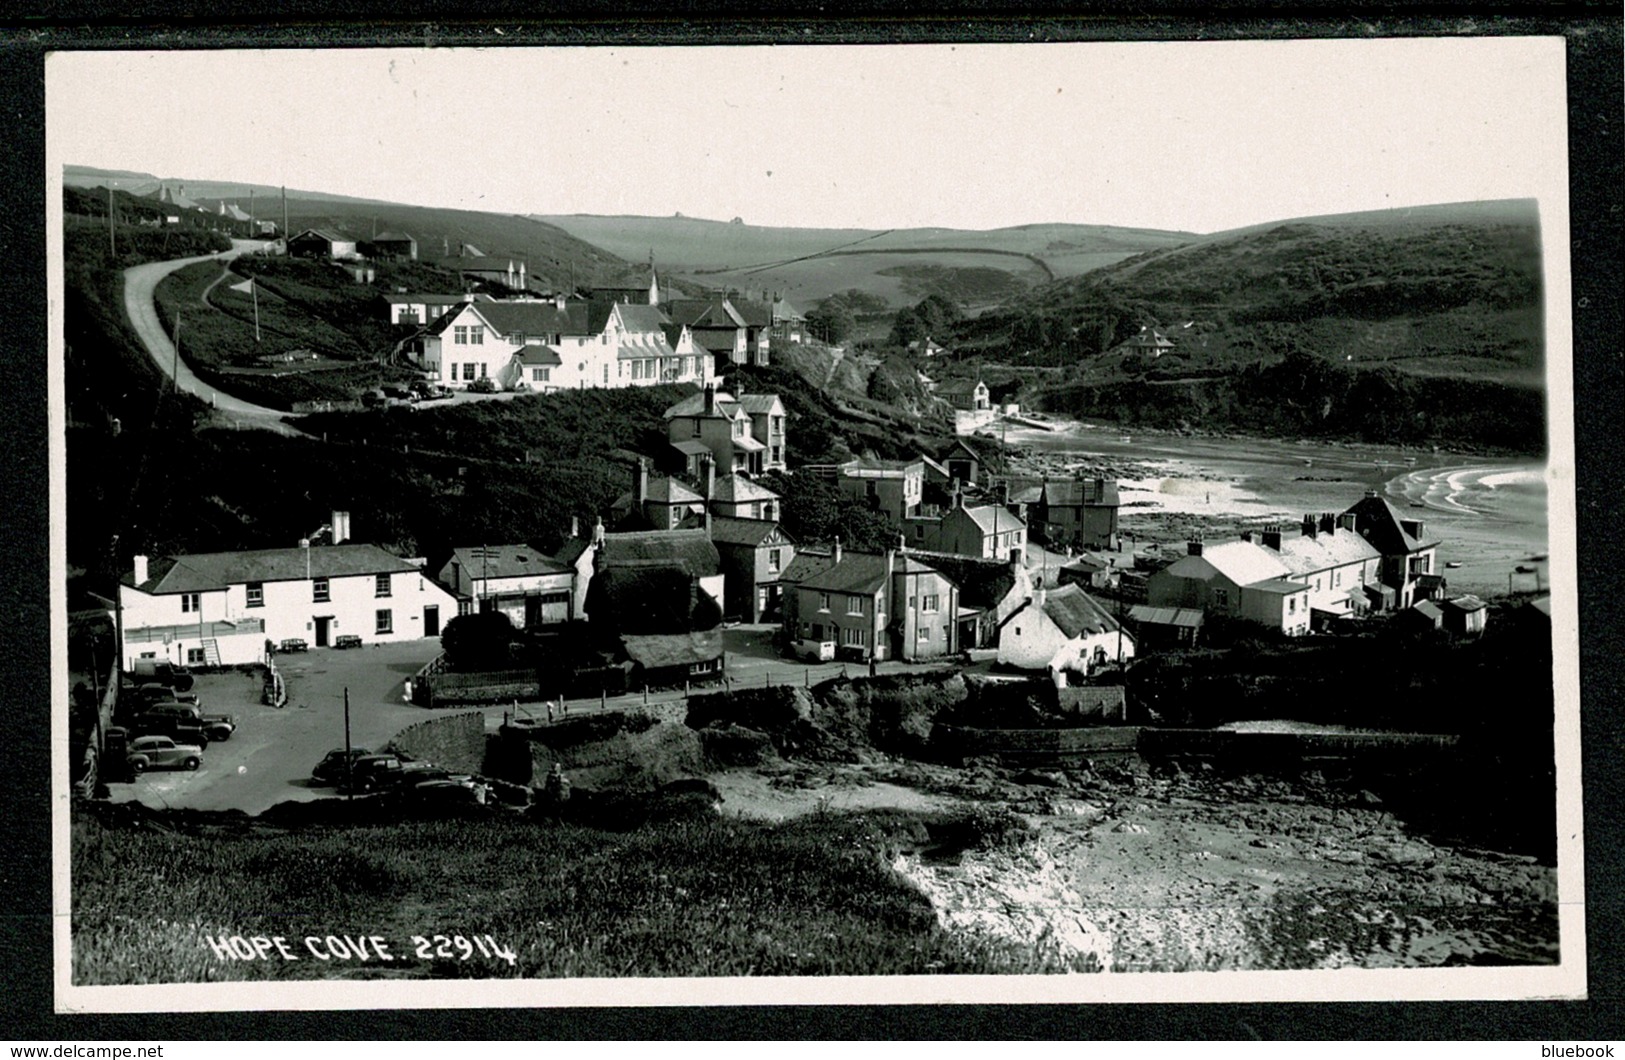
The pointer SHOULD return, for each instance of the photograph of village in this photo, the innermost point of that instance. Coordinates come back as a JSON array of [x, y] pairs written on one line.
[[875, 512]]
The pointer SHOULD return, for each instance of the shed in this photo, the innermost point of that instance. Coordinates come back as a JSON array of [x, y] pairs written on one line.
[[673, 658], [1166, 626], [1464, 614]]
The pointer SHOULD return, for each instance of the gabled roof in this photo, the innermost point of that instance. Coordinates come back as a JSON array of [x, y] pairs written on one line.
[[754, 314], [1243, 562], [572, 550], [858, 572], [322, 233], [809, 563], [694, 405], [982, 582], [932, 465], [663, 489], [649, 318], [737, 489], [423, 299], [535, 318], [705, 313], [393, 237], [1183, 617], [960, 387], [760, 404], [1080, 492], [1467, 603], [687, 550], [783, 310], [538, 355], [1307, 555], [506, 561], [1431, 610], [1381, 524], [958, 451], [690, 447], [994, 519], [726, 530], [1073, 611], [218, 570]]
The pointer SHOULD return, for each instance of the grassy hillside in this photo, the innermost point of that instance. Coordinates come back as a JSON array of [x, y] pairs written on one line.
[[1425, 298], [809, 264]]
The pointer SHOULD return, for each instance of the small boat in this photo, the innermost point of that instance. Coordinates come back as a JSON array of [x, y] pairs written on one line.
[[1524, 568], [1417, 504], [1452, 564]]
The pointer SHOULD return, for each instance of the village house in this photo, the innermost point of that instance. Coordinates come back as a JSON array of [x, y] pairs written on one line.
[[416, 310], [1149, 344], [689, 552], [989, 591], [758, 318], [789, 326], [532, 589], [1076, 513], [1165, 627], [658, 502], [737, 497], [629, 291], [322, 244], [717, 326], [965, 394], [1332, 560], [870, 606], [1408, 553], [895, 487], [743, 435], [220, 609], [396, 245], [652, 601], [927, 348], [962, 463], [754, 555], [473, 266], [1236, 579], [989, 531], [1064, 631]]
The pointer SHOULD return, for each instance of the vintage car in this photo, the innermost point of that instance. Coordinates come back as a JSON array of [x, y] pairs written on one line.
[[160, 752]]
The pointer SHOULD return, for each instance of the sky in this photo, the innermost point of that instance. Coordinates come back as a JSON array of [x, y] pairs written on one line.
[[1186, 136]]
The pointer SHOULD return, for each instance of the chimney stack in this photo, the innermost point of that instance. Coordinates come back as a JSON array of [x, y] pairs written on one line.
[[1309, 527], [1370, 494], [835, 553], [1271, 537], [140, 570], [341, 527], [710, 406], [640, 484], [708, 478], [1328, 523], [1193, 546], [1247, 536]]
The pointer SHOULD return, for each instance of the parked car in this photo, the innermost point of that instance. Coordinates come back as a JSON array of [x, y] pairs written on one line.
[[373, 399], [215, 726], [347, 640], [160, 752], [378, 772], [397, 392], [140, 697], [330, 770], [486, 385], [815, 650], [164, 672], [292, 644]]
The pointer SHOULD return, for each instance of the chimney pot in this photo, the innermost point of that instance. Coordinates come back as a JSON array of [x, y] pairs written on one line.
[[835, 553], [140, 569]]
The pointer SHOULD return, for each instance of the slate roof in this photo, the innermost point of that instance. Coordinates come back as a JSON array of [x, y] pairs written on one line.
[[1381, 524], [663, 489], [694, 405], [705, 313], [809, 563], [994, 519], [423, 299], [982, 582], [753, 313], [858, 572], [1468, 603], [760, 404], [648, 318], [1430, 610], [535, 318], [658, 651], [538, 355], [690, 447], [1243, 562], [687, 550], [393, 237], [1281, 586], [571, 550], [1084, 492], [726, 530], [958, 451], [1076, 612], [506, 561], [1185, 617], [323, 233], [737, 489], [1307, 555], [218, 570], [958, 388]]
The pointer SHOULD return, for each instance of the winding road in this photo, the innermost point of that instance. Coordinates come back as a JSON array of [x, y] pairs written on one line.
[[140, 285]]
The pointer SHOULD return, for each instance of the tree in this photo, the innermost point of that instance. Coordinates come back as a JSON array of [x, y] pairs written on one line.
[[478, 642], [907, 327], [832, 320], [811, 509]]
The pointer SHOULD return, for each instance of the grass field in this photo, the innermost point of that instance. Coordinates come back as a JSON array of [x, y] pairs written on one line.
[[673, 890]]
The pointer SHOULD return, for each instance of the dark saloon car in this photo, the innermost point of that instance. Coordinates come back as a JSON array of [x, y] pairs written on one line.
[[160, 752]]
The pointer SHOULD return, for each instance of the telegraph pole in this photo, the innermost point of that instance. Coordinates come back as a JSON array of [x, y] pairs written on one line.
[[348, 760], [112, 239]]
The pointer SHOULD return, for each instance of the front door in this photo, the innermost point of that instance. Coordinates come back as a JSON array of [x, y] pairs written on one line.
[[431, 620], [322, 624]]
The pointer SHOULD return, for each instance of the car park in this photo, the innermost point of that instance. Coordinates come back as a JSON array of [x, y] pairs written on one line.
[[160, 752], [347, 640], [293, 644]]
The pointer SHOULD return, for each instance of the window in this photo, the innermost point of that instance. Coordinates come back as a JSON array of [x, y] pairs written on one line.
[[854, 637], [931, 604], [919, 531], [1221, 598], [468, 371], [823, 601], [924, 634], [540, 375], [386, 621], [696, 433], [1292, 605], [381, 585], [465, 607], [773, 557], [482, 369], [191, 603], [194, 657], [854, 605], [459, 335], [1337, 578], [256, 594], [318, 590]]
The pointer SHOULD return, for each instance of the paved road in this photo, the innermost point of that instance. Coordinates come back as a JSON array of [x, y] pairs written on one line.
[[140, 284]]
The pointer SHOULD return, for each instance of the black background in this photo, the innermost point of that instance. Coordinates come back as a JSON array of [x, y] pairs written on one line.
[[1593, 33]]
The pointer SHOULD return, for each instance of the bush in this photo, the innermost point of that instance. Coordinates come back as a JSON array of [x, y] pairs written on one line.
[[478, 642]]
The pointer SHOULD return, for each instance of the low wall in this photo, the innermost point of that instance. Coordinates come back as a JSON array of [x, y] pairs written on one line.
[[1033, 745], [1274, 748], [501, 686], [456, 742]]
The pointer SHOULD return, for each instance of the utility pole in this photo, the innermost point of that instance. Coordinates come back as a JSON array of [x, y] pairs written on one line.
[[112, 239], [284, 215], [348, 759]]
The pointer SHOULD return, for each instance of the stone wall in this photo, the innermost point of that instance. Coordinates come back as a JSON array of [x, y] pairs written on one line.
[[456, 741]]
